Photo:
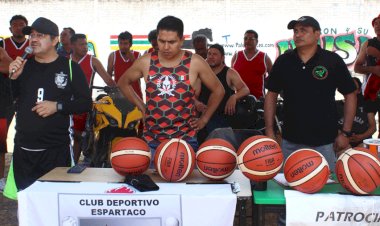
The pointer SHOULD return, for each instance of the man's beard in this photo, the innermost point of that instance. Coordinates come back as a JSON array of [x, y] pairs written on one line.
[[18, 36], [214, 65]]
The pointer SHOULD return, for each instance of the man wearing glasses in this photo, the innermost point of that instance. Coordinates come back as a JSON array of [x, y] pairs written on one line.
[[50, 89], [252, 64]]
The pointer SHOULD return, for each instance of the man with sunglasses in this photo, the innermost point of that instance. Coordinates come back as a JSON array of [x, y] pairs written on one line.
[[50, 89]]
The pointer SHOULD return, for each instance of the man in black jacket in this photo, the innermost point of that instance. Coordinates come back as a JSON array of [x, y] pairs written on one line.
[[50, 89]]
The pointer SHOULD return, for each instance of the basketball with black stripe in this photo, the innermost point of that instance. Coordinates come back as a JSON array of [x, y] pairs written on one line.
[[358, 171], [130, 155], [216, 159], [306, 170], [260, 158], [174, 160]]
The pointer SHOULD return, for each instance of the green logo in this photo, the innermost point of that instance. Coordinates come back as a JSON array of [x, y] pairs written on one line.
[[320, 72]]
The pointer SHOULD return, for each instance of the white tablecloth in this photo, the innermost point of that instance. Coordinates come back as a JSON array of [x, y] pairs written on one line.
[[90, 203]]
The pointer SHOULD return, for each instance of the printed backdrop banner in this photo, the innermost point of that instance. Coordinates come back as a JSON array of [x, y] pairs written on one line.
[[115, 204], [331, 209]]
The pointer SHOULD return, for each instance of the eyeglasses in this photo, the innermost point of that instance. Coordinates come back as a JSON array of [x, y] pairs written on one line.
[[250, 38], [36, 35]]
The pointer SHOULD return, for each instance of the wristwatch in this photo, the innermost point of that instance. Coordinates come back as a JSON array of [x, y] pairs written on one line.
[[346, 133], [59, 106]]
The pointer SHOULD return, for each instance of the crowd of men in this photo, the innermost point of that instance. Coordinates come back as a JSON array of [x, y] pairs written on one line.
[[49, 86]]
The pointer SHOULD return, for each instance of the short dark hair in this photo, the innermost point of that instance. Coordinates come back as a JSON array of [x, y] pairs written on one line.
[[75, 37], [218, 47], [171, 23], [152, 35], [200, 38], [125, 36], [71, 31], [252, 32], [18, 17]]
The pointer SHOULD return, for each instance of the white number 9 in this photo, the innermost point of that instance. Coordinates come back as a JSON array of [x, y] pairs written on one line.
[[40, 94]]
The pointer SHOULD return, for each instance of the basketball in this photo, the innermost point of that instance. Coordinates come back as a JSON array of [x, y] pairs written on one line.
[[174, 160], [260, 158], [306, 170], [216, 159], [130, 155], [358, 171]]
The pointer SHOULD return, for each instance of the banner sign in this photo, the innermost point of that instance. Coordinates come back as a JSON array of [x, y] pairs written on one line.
[[331, 209], [118, 204], [116, 210]]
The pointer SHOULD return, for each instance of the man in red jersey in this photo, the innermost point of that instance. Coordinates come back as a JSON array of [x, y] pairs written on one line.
[[252, 64], [16, 44], [120, 60], [172, 76], [152, 38], [90, 65], [5, 114], [368, 63]]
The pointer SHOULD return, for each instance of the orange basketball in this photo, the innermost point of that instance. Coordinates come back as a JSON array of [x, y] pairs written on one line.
[[130, 155], [174, 160], [260, 158], [358, 171], [306, 170], [216, 159]]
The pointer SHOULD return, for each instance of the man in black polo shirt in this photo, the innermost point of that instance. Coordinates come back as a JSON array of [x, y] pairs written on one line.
[[308, 78]]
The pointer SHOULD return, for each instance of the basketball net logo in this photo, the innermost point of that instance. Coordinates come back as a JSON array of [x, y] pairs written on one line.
[[166, 85]]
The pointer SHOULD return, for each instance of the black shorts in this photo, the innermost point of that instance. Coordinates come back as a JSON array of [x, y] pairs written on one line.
[[28, 166]]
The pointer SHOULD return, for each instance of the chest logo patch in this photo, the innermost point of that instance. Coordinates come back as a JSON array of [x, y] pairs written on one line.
[[166, 85], [320, 72], [61, 80]]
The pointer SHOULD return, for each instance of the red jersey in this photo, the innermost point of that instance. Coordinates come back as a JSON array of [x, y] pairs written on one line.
[[12, 49], [169, 100], [121, 65], [252, 71], [88, 70], [86, 64], [371, 85]]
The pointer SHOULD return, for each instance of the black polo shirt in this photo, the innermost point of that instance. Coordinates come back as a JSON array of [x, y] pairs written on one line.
[[310, 113]]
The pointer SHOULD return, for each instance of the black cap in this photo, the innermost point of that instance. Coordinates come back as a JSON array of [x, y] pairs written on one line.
[[306, 21], [42, 25]]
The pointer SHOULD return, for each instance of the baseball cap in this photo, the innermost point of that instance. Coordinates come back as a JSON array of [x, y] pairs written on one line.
[[373, 21], [42, 25], [305, 20]]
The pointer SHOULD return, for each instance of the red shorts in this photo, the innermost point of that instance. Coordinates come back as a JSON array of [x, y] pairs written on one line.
[[80, 122], [3, 135]]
